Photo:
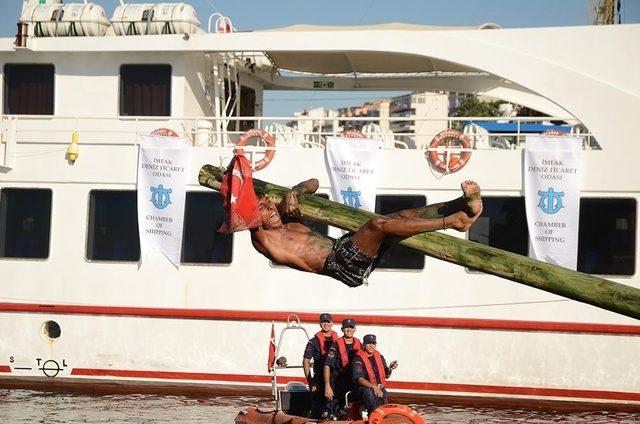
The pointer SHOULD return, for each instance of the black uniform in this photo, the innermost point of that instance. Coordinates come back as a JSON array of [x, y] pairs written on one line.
[[341, 377], [368, 398], [313, 351]]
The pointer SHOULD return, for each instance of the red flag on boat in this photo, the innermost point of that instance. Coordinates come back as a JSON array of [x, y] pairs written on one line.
[[239, 198], [272, 348]]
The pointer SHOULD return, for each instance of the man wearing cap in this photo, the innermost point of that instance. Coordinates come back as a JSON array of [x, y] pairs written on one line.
[[337, 367], [317, 349], [370, 373]]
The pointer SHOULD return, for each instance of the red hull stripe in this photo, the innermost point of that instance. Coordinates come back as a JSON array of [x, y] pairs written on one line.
[[381, 320], [399, 385], [5, 368]]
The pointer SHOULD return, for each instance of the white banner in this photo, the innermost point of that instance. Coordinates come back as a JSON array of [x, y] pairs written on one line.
[[162, 186], [352, 164], [552, 198]]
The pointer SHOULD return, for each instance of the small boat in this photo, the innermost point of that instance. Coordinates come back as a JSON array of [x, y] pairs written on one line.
[[293, 401], [401, 414]]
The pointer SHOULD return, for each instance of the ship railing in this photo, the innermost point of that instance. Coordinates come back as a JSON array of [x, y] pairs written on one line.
[[288, 132], [293, 324]]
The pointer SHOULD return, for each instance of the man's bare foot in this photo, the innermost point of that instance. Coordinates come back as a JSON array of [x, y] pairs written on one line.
[[460, 221], [472, 197]]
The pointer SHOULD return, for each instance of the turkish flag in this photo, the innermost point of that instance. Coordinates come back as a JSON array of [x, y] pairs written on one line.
[[272, 348], [239, 198]]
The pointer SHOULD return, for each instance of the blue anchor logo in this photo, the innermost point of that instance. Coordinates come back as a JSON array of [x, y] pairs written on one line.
[[550, 201], [351, 198], [160, 197]]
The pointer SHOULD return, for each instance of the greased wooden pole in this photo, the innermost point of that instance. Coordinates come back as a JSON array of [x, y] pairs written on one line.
[[574, 285]]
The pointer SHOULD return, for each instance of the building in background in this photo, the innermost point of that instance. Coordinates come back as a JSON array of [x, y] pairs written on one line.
[[413, 118]]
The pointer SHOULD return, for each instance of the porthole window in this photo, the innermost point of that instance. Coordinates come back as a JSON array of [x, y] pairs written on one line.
[[51, 330]]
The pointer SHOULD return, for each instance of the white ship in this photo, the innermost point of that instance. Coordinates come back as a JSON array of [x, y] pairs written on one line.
[[78, 310]]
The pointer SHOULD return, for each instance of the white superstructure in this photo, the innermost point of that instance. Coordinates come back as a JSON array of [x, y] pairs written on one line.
[[77, 308]]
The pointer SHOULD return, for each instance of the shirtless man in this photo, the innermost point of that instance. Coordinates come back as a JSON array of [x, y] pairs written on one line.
[[352, 257]]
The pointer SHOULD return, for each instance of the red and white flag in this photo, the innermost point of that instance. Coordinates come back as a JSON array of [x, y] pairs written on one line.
[[239, 198], [272, 348]]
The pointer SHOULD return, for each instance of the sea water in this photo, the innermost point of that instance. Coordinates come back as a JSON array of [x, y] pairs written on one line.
[[26, 406]]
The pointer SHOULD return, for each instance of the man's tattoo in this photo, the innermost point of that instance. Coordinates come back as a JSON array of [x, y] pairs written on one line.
[[318, 239]]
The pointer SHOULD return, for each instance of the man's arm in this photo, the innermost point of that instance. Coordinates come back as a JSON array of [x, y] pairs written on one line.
[[389, 369], [306, 365], [289, 205], [306, 368], [376, 389], [306, 187], [328, 391]]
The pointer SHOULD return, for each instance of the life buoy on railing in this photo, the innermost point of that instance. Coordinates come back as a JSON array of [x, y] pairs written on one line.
[[378, 415], [164, 132], [555, 133], [352, 134], [456, 160], [264, 136]]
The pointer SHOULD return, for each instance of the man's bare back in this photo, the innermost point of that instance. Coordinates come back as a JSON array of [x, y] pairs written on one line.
[[298, 246]]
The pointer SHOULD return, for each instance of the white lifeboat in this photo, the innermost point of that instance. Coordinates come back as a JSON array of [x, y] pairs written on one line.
[[73, 19], [155, 18]]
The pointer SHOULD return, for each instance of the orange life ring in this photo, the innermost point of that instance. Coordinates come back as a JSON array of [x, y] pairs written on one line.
[[164, 132], [456, 161], [352, 134], [378, 415], [264, 136], [555, 133]]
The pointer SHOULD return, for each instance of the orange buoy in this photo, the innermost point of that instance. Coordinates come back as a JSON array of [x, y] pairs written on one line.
[[352, 134], [554, 133], [457, 160], [378, 415], [164, 132], [269, 141]]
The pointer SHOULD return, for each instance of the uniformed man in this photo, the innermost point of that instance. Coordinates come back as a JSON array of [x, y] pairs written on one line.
[[370, 373], [337, 368], [317, 349]]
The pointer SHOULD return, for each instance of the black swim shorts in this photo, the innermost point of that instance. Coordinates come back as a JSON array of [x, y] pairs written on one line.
[[349, 264]]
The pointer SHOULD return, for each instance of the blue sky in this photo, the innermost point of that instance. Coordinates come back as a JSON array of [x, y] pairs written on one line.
[[259, 14]]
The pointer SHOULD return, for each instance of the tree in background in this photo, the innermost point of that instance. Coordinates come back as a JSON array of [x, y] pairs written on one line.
[[474, 107]]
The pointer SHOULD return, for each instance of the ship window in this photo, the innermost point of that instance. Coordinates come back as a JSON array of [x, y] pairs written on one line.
[[28, 89], [607, 236], [201, 242], [503, 224], [145, 90], [25, 223], [113, 226], [400, 257]]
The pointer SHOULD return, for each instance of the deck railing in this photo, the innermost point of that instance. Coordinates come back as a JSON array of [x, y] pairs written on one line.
[[288, 132]]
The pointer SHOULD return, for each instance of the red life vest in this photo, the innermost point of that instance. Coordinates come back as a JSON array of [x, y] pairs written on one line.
[[344, 353], [367, 364], [322, 339]]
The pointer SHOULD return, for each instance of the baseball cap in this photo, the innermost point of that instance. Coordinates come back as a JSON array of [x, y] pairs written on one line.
[[369, 338], [349, 322], [325, 318]]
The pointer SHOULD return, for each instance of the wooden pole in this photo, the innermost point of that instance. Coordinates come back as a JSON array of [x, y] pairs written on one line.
[[574, 285]]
